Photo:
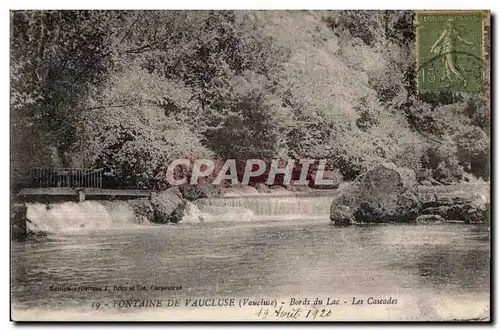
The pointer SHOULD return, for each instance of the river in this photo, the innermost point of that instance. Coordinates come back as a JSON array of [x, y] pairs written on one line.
[[435, 272]]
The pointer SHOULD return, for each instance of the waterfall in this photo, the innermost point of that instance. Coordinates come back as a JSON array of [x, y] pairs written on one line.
[[68, 217], [71, 216], [264, 208], [195, 213]]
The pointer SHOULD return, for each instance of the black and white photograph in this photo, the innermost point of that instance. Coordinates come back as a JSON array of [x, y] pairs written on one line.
[[250, 165]]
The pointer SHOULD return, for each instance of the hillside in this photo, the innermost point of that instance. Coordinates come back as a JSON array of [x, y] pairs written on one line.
[[133, 92]]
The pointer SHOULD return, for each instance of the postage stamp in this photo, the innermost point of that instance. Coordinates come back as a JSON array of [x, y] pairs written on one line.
[[450, 50]]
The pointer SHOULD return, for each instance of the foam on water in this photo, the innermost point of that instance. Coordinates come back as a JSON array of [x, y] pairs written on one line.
[[70, 217], [247, 209], [270, 206], [207, 214], [86, 216]]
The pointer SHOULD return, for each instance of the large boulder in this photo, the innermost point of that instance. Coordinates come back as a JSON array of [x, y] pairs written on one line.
[[384, 193], [341, 215], [168, 206]]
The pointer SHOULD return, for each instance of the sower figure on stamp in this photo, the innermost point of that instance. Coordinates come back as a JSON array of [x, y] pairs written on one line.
[[445, 46]]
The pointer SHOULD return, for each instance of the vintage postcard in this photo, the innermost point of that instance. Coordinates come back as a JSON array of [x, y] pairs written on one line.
[[250, 165]]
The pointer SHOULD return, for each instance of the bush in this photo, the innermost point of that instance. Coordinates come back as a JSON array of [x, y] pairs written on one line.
[[473, 151], [362, 24], [222, 84], [201, 191], [442, 162], [478, 111], [448, 171], [125, 130]]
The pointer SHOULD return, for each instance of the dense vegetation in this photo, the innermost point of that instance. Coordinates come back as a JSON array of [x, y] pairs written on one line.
[[134, 90]]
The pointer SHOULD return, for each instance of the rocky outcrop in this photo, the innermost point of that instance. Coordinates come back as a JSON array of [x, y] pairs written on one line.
[[469, 208], [168, 206], [384, 193], [387, 193], [429, 219]]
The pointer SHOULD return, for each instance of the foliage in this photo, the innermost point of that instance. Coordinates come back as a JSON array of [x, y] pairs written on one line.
[[132, 133], [473, 151], [133, 90], [196, 192], [459, 123], [442, 162]]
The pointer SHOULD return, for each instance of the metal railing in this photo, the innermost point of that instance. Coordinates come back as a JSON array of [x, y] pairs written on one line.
[[68, 177]]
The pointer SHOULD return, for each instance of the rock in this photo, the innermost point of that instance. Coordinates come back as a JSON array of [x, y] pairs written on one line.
[[384, 193], [434, 182], [248, 190], [278, 189], [18, 219], [440, 201], [487, 213], [143, 210], [439, 210], [341, 215], [298, 188], [475, 210], [262, 188], [426, 219], [460, 212], [168, 206], [368, 213]]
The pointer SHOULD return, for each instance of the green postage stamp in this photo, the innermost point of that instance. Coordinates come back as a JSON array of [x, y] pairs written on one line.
[[450, 50]]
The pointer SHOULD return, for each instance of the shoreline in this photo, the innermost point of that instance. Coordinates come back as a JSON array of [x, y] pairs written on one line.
[[439, 206]]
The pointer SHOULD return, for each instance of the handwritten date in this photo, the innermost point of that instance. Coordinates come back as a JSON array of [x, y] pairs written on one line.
[[293, 314]]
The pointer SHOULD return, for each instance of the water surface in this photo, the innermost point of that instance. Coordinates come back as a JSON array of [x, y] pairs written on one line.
[[426, 267]]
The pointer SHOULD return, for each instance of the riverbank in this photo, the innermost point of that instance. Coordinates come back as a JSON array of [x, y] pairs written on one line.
[[170, 208], [390, 194], [380, 196]]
